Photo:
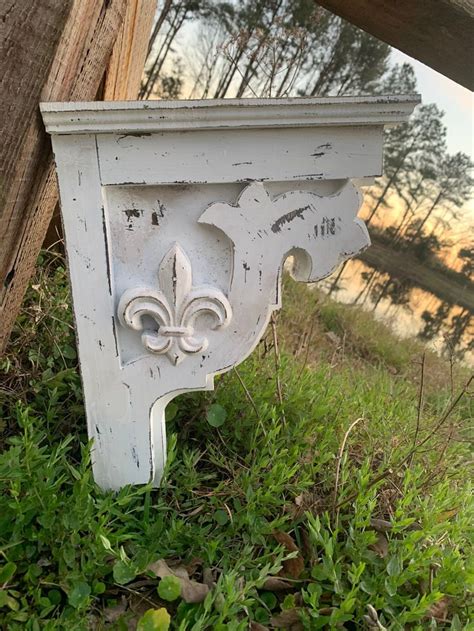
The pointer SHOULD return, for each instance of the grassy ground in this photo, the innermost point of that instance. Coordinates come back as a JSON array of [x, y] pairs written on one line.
[[334, 493]]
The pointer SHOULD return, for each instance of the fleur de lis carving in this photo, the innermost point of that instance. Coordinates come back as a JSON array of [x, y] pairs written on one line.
[[174, 309]]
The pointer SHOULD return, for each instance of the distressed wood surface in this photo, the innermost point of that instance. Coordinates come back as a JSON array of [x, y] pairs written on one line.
[[123, 73], [30, 34], [174, 281], [68, 47], [125, 69], [194, 115], [286, 154], [439, 33]]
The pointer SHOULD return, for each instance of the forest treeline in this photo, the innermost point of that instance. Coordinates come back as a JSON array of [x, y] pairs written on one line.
[[276, 48]]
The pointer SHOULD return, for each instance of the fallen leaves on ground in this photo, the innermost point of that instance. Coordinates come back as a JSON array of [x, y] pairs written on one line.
[[191, 591], [381, 525], [112, 614], [439, 610], [380, 547], [293, 567], [288, 620], [275, 584]]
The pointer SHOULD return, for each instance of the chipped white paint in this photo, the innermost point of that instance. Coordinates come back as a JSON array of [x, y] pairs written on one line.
[[178, 218]]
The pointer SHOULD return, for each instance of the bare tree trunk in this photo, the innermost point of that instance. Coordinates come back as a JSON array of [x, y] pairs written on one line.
[[176, 24], [428, 215], [253, 58], [159, 23], [225, 83], [382, 196], [382, 294], [337, 278]]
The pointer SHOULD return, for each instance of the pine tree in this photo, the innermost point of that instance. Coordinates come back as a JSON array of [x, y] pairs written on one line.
[[409, 152], [266, 48], [452, 188]]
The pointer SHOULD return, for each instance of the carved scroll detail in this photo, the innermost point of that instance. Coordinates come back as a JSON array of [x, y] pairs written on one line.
[[319, 231], [174, 309]]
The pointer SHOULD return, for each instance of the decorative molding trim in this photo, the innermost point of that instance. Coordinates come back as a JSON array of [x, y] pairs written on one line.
[[137, 193], [175, 309], [319, 231], [149, 116]]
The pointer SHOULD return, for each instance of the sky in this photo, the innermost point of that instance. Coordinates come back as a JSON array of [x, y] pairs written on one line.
[[456, 101]]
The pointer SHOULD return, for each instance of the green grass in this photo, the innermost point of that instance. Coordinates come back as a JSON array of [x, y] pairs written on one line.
[[395, 536]]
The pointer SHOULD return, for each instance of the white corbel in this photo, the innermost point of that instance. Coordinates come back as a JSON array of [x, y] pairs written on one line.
[[178, 218]]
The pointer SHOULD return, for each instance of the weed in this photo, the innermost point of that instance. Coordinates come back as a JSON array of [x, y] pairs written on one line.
[[314, 522]]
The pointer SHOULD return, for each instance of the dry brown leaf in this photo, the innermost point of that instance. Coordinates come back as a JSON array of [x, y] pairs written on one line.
[[326, 611], [276, 584], [288, 620], [179, 570], [161, 569], [112, 614], [299, 499], [208, 577], [256, 626], [285, 540], [381, 525], [193, 565], [191, 591], [291, 567], [439, 610], [380, 547]]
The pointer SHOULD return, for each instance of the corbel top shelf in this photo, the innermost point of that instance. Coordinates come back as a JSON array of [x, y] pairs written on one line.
[[143, 117]]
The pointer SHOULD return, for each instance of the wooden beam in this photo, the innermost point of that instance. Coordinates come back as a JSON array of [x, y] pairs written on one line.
[[54, 50], [439, 33], [124, 72], [30, 34], [122, 78]]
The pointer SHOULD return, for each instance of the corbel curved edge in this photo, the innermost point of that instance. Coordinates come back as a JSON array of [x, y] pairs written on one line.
[[328, 230], [320, 231]]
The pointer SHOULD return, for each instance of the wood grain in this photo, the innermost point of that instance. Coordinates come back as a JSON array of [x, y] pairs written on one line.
[[64, 58], [122, 77], [125, 69], [30, 33], [439, 33]]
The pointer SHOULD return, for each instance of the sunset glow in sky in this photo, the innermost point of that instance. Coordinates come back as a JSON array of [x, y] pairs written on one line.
[[458, 104]]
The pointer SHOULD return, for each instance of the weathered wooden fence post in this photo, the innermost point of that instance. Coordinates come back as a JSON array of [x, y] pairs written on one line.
[[178, 218], [53, 50]]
